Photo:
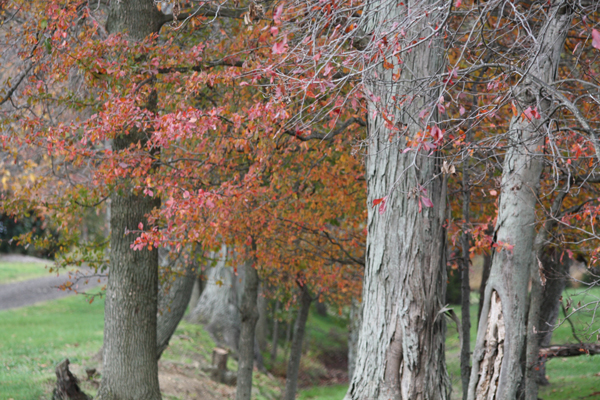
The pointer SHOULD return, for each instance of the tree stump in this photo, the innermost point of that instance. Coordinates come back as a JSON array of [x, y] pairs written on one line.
[[67, 387], [219, 364]]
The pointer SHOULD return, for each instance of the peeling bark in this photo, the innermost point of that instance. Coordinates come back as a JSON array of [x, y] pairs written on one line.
[[515, 226]]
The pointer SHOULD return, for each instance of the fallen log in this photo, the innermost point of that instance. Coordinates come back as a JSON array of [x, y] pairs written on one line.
[[570, 350]]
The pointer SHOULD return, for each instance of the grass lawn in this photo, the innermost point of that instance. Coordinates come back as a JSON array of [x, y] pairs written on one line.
[[34, 339], [14, 272]]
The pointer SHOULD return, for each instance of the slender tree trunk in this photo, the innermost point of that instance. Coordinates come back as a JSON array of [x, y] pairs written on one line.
[[485, 275], [401, 343], [291, 379], [196, 290], [465, 288], [261, 325], [288, 332], [275, 333], [130, 369], [249, 317], [497, 369], [544, 300], [173, 302]]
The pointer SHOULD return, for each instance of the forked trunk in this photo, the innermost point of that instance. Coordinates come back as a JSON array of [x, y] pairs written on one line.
[[401, 342], [174, 299], [291, 379], [497, 368]]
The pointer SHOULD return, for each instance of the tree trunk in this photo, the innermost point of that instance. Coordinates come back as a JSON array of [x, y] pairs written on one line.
[[130, 368], [291, 378], [354, 329], [249, 317], [497, 370], [485, 275], [401, 343], [217, 308], [261, 325], [196, 290], [275, 337], [465, 287], [555, 271], [173, 300]]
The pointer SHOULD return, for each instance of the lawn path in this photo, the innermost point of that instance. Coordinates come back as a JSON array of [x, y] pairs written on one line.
[[25, 293]]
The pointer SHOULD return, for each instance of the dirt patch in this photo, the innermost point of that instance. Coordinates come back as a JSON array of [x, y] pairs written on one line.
[[189, 382]]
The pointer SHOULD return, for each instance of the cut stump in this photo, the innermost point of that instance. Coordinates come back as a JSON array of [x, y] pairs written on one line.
[[67, 385]]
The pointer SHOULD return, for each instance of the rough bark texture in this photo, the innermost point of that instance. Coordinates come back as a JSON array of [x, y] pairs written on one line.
[[515, 227], [217, 308], [130, 368], [291, 378], [249, 317], [485, 275], [400, 352], [174, 297]]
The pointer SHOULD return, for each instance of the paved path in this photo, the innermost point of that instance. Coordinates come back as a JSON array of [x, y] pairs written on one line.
[[25, 293]]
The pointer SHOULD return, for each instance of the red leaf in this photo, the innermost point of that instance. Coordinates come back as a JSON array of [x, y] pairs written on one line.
[[277, 15], [280, 48], [426, 201], [381, 203], [458, 3], [596, 39], [532, 113]]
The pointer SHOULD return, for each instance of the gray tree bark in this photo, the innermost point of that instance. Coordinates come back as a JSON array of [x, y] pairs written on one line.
[[217, 308], [497, 370], [291, 378], [130, 369], [196, 290], [174, 297], [249, 317], [400, 351]]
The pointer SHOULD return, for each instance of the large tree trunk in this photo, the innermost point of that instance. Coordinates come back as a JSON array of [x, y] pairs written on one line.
[[497, 370], [249, 317], [401, 343], [130, 368], [174, 297], [291, 378], [217, 308]]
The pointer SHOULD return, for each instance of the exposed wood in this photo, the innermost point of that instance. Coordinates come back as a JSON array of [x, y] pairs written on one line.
[[67, 385]]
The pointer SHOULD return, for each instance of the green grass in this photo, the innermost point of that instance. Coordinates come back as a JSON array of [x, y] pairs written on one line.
[[34, 339], [14, 272], [335, 392], [570, 377]]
